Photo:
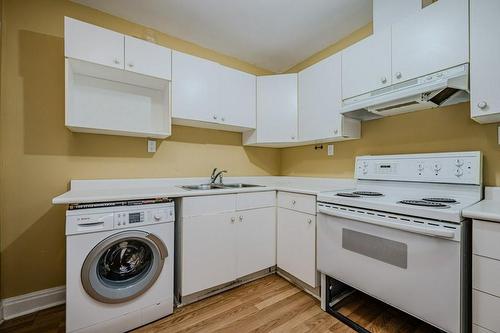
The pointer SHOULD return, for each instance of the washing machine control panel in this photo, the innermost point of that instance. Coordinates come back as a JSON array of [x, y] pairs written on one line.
[[141, 216]]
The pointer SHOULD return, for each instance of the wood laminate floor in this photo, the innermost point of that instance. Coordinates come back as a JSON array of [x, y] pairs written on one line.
[[270, 304]]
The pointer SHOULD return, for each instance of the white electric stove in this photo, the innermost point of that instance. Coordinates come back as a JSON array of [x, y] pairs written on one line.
[[399, 234]]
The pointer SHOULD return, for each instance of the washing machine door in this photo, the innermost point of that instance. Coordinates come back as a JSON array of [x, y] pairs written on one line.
[[123, 266]]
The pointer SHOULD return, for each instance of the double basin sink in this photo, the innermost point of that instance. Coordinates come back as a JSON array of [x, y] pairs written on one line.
[[218, 186]]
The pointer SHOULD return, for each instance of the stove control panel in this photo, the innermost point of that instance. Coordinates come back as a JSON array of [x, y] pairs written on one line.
[[456, 168]]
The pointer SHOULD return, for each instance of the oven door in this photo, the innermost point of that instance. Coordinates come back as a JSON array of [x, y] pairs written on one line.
[[414, 271]]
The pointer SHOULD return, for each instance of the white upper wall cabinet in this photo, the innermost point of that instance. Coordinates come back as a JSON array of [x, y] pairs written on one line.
[[366, 65], [385, 12], [84, 41], [207, 94], [276, 111], [238, 98], [195, 89], [434, 39], [94, 44], [147, 58], [484, 60], [104, 96], [320, 103]]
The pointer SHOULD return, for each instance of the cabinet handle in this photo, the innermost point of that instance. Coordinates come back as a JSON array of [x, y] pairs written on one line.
[[482, 105], [309, 221], [233, 219], [383, 80], [399, 75], [116, 61], [241, 218]]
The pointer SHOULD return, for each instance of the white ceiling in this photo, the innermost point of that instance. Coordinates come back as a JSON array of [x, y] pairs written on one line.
[[271, 34]]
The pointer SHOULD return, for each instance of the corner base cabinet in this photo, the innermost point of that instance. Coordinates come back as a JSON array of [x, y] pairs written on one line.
[[221, 238]]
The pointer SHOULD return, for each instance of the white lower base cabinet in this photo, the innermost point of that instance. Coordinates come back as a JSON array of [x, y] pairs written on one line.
[[255, 240], [296, 244], [208, 256], [485, 276], [220, 242]]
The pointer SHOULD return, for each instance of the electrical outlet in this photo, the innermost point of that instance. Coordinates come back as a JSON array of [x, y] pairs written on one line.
[[330, 150], [151, 146]]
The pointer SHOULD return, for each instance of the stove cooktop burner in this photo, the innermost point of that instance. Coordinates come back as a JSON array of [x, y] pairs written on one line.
[[441, 200], [368, 193], [348, 195], [423, 203]]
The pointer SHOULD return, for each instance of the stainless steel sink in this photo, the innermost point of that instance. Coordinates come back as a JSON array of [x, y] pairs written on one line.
[[203, 187], [217, 186], [240, 185]]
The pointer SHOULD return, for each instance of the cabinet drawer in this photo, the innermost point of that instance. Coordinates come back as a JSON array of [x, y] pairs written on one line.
[[208, 204], [254, 200], [299, 202], [485, 275], [485, 236], [485, 310]]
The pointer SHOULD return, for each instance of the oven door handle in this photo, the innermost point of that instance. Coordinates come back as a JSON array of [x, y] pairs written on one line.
[[410, 228]]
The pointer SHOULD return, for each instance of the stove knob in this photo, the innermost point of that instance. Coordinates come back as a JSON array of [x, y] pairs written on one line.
[[420, 166], [459, 172], [437, 166], [157, 217], [459, 162]]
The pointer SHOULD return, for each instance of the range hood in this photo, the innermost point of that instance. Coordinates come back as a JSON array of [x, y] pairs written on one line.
[[443, 88]]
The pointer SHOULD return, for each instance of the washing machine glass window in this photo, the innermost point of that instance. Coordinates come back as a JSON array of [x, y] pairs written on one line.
[[123, 266]]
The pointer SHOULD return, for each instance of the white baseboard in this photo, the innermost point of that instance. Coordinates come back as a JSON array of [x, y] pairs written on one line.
[[28, 303]]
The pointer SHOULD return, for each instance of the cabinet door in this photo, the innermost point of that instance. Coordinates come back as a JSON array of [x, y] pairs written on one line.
[[94, 44], [297, 245], [147, 58], [320, 100], [256, 240], [208, 251], [385, 12], [434, 39], [484, 58], [366, 65], [238, 100], [277, 108], [195, 88]]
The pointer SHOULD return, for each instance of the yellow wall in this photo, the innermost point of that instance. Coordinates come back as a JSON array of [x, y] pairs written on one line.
[[40, 156], [435, 130]]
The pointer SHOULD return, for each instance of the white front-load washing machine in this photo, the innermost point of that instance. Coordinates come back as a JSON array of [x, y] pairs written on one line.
[[119, 264]]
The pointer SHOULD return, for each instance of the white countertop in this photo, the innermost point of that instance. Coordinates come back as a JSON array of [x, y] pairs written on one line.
[[488, 209], [84, 191]]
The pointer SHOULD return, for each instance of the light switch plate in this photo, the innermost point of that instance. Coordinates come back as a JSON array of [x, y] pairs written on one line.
[[330, 150], [151, 146]]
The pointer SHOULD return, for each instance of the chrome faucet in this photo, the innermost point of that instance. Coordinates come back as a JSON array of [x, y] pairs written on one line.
[[215, 175]]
